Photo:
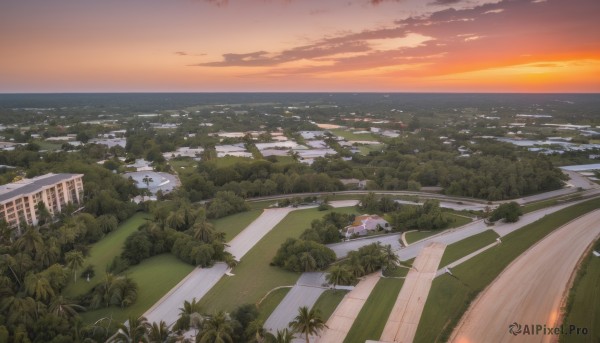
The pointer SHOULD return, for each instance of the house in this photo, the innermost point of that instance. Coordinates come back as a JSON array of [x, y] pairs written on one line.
[[365, 223]]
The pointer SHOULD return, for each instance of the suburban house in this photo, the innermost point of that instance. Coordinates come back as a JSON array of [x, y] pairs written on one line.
[[365, 223]]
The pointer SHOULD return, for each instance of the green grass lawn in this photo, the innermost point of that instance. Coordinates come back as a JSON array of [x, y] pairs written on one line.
[[450, 297], [458, 220], [416, 236], [254, 277], [234, 224], [366, 149], [351, 136], [462, 248], [285, 160], [584, 302], [397, 271], [372, 317], [103, 252], [185, 165], [328, 301], [538, 205], [155, 276], [270, 303]]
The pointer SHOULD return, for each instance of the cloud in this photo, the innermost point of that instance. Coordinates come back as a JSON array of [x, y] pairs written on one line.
[[450, 41], [444, 2], [181, 53]]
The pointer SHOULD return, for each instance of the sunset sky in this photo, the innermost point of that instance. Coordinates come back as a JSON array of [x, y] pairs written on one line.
[[299, 45]]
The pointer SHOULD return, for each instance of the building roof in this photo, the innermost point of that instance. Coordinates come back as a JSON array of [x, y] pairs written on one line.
[[27, 186]]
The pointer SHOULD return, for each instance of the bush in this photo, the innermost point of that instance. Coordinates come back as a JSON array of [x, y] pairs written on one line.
[[118, 265], [303, 256], [510, 212]]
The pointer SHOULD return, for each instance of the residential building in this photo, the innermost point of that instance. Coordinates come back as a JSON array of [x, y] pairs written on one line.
[[365, 223], [18, 200]]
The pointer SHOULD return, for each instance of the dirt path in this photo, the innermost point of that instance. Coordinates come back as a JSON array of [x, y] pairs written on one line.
[[530, 289], [344, 315], [406, 313]]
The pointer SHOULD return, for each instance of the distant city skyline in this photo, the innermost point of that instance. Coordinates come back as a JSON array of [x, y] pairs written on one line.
[[299, 46]]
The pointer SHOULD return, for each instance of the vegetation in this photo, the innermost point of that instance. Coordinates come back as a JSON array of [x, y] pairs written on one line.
[[374, 314], [449, 298], [363, 261], [329, 301], [510, 212], [462, 248], [308, 322], [303, 256], [584, 299], [429, 216]]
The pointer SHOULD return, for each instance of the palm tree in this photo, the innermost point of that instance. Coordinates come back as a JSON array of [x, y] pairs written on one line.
[[307, 322], [147, 179], [64, 308], [134, 332], [176, 220], [256, 332], [230, 261], [49, 254], [217, 329], [390, 259], [38, 286], [339, 274], [186, 314], [20, 309], [74, 261], [30, 242], [203, 231], [160, 333], [307, 261], [282, 336]]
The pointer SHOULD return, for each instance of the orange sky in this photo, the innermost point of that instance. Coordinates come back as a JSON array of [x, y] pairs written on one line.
[[300, 45]]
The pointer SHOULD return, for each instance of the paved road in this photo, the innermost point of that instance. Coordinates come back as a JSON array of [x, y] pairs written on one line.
[[343, 317], [576, 181], [529, 290], [447, 237], [462, 206], [404, 318], [201, 280]]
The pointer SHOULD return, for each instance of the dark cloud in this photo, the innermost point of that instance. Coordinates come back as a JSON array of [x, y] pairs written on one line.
[[444, 2]]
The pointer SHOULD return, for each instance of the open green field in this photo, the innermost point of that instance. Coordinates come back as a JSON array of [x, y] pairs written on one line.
[[373, 316], [328, 301], [103, 252], [155, 276], [47, 145], [366, 149], [228, 161], [584, 301], [450, 297], [462, 248], [351, 136], [285, 159], [235, 223], [396, 271], [185, 165], [254, 277], [457, 221], [538, 205], [269, 304]]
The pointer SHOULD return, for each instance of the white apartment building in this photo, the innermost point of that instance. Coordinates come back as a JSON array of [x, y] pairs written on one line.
[[18, 200]]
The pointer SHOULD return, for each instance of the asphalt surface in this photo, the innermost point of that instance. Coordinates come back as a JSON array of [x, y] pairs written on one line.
[[531, 289]]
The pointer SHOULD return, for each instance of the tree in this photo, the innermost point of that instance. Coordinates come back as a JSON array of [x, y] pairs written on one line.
[[217, 329], [31, 242], [74, 261], [339, 275], [188, 314], [160, 333], [203, 230], [282, 336], [255, 332], [64, 308], [510, 212], [134, 332], [38, 286], [390, 259], [307, 322]]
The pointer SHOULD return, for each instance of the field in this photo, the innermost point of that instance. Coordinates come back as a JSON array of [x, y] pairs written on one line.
[[155, 276], [450, 296], [584, 300], [254, 277], [234, 224], [103, 252], [462, 248], [228, 161], [416, 236], [458, 221], [351, 136], [373, 316], [328, 301]]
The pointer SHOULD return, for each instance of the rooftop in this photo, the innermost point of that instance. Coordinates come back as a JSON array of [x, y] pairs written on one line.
[[27, 186]]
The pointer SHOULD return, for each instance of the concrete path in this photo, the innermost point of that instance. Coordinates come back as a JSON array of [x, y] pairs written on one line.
[[343, 317], [531, 289], [402, 323], [201, 280]]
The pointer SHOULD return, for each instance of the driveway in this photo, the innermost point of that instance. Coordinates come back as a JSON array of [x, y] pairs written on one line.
[[531, 289]]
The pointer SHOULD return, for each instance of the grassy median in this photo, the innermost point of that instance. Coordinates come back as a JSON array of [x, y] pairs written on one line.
[[375, 312], [462, 248], [328, 301], [254, 276], [450, 297]]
